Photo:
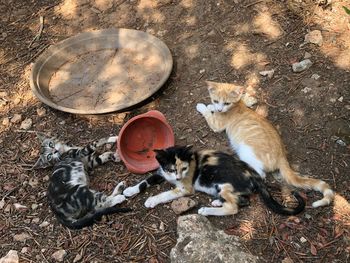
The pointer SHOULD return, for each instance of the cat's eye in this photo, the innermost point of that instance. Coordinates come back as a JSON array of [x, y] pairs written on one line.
[[184, 169], [49, 157], [51, 145], [227, 103], [215, 101]]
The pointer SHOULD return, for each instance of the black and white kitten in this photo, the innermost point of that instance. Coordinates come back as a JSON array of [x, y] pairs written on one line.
[[74, 204], [219, 174]]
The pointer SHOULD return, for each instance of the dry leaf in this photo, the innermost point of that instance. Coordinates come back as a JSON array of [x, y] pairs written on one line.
[[313, 250]]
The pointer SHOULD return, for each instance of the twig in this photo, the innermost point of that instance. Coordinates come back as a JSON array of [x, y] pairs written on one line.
[[38, 35], [251, 4]]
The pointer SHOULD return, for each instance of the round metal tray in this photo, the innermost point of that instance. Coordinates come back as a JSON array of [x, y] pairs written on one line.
[[101, 71]]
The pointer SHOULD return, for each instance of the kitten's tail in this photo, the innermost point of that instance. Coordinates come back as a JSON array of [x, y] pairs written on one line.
[[307, 183], [273, 204], [91, 218]]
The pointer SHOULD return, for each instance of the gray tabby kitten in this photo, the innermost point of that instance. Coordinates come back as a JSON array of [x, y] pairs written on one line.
[[74, 204]]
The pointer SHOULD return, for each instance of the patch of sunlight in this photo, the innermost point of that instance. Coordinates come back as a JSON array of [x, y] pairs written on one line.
[[243, 57], [341, 209], [191, 21], [187, 3], [192, 51], [340, 57], [263, 23], [252, 80], [148, 9], [242, 29], [67, 9]]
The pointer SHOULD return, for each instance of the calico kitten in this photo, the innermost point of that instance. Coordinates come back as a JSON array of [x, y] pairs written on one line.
[[219, 174], [254, 139], [74, 204]]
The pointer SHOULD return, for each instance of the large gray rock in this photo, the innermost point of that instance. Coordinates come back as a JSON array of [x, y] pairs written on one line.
[[199, 242]]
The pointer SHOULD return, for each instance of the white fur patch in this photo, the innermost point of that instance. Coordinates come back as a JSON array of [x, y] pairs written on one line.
[[119, 188], [112, 139], [216, 203], [246, 154], [163, 198], [132, 190], [201, 108], [78, 176], [112, 201], [213, 211], [204, 189]]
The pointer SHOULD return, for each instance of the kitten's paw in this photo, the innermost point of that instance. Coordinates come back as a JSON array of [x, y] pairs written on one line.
[[121, 186], [211, 108], [131, 191], [203, 211], [112, 139], [115, 157], [120, 198], [216, 203], [201, 108], [151, 202]]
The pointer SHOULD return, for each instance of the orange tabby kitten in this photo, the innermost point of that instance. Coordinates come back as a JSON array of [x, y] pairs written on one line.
[[254, 139]]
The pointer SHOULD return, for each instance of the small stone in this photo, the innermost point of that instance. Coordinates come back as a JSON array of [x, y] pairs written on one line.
[[315, 76], [302, 65], [44, 224], [20, 207], [17, 101], [307, 216], [41, 112], [341, 142], [26, 124], [268, 73], [2, 203], [287, 260], [62, 122], [162, 226], [341, 99], [33, 182], [11, 257], [77, 258], [21, 237], [8, 208], [25, 250], [16, 118], [306, 90], [307, 55], [34, 206], [6, 121], [46, 178], [332, 100], [314, 37], [36, 220], [201, 71], [59, 255], [3, 94], [154, 226], [303, 240], [182, 205]]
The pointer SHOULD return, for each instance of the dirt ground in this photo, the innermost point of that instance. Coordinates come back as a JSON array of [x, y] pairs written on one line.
[[224, 41]]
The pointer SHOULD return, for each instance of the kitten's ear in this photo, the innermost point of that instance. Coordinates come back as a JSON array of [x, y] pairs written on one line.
[[159, 152], [40, 164], [211, 86], [160, 155], [41, 136], [189, 147], [237, 92]]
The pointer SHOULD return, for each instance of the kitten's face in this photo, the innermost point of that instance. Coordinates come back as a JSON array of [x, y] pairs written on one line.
[[224, 95], [49, 152], [174, 162]]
